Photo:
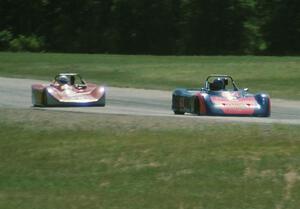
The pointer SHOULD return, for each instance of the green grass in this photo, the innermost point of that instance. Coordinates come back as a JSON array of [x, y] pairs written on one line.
[[114, 162], [76, 160], [278, 76]]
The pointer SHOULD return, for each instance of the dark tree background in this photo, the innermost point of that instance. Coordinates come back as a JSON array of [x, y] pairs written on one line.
[[152, 26]]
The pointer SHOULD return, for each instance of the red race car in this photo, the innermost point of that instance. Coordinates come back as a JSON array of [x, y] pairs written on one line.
[[68, 89]]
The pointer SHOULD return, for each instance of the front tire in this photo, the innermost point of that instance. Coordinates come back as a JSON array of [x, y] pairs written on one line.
[[177, 112], [265, 104]]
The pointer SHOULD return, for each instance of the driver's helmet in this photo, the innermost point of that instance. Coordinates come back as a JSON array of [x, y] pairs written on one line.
[[62, 79], [218, 84]]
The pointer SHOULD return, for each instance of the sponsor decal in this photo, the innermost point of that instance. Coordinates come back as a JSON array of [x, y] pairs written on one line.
[[231, 95], [233, 105]]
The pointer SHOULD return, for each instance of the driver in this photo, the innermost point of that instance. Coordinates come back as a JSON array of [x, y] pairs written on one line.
[[63, 80], [218, 84]]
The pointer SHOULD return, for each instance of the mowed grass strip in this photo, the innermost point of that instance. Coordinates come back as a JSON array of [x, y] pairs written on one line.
[[76, 160], [278, 76]]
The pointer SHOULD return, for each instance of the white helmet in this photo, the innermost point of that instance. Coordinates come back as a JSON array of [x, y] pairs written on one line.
[[62, 79]]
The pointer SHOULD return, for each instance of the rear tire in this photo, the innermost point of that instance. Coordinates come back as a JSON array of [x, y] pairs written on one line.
[[44, 98], [175, 105]]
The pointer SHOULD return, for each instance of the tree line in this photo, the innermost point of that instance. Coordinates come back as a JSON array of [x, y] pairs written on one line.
[[152, 26]]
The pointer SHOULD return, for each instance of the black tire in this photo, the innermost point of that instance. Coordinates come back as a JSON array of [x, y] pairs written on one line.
[[45, 98], [175, 105], [178, 112], [266, 109]]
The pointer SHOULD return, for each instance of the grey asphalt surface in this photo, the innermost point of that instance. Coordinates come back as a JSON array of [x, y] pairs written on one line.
[[16, 93]]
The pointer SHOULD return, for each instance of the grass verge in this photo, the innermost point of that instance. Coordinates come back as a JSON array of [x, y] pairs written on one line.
[[277, 76], [68, 160]]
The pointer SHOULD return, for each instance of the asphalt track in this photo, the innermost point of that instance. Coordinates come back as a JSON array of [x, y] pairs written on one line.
[[16, 93]]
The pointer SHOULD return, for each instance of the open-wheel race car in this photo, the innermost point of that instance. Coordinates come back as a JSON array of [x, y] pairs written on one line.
[[221, 97], [68, 89]]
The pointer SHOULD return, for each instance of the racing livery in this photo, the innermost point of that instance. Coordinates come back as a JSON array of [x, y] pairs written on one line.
[[68, 89], [221, 97]]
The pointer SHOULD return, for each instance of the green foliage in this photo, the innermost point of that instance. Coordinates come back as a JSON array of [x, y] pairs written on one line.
[[145, 26], [26, 43], [213, 27], [158, 26], [282, 26], [30, 43], [5, 38]]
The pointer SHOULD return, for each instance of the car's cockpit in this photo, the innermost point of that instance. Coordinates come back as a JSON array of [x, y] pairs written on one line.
[[72, 79], [220, 83]]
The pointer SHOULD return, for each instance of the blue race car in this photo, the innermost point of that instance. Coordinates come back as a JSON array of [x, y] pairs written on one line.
[[221, 97]]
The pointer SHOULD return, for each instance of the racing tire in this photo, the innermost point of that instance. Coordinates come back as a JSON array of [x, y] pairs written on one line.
[[266, 110], [177, 112], [45, 98], [175, 105]]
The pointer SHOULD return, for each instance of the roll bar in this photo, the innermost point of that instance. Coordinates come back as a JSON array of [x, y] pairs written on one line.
[[220, 76]]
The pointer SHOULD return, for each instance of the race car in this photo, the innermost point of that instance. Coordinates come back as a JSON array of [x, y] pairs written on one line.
[[68, 89], [220, 97]]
